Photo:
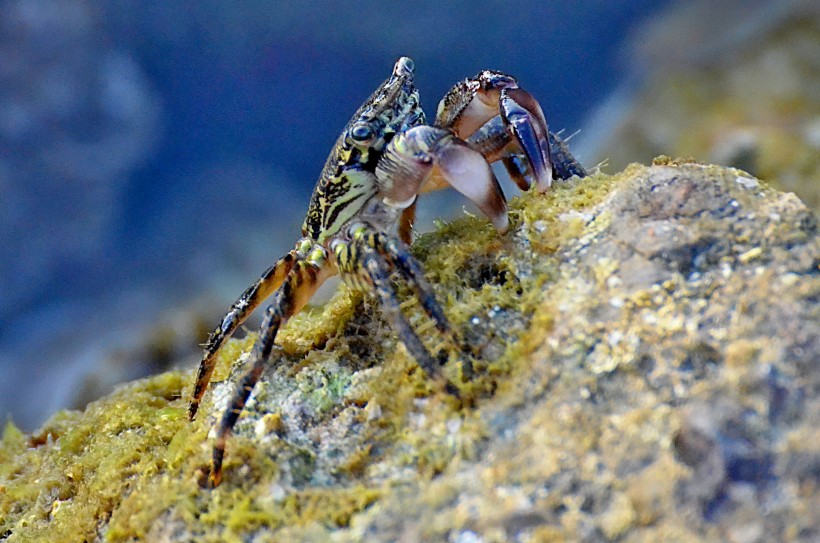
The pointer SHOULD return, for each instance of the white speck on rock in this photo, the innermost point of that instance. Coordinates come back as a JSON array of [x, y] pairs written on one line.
[[467, 537], [615, 337], [570, 215], [278, 492], [418, 420], [453, 425], [747, 182], [373, 411]]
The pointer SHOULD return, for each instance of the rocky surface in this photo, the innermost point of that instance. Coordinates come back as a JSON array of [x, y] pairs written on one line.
[[644, 368]]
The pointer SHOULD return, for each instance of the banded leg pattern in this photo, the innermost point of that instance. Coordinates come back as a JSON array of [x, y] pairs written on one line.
[[367, 261], [296, 290], [239, 312]]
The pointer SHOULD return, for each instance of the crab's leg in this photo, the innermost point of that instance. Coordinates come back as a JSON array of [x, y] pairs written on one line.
[[364, 264], [398, 256], [408, 216], [494, 141], [425, 155], [297, 288], [378, 271], [238, 313], [518, 171], [564, 164]]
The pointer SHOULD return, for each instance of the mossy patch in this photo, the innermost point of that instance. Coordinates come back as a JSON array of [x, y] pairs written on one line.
[[345, 423], [64, 482], [113, 470]]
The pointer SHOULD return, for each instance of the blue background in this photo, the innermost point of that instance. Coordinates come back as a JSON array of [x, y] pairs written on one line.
[[153, 154]]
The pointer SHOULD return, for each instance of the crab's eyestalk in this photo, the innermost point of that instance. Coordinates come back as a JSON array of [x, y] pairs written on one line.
[[404, 67], [426, 153]]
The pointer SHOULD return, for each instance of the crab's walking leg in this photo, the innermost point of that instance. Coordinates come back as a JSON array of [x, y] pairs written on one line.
[[493, 140], [408, 217], [398, 255], [297, 288], [239, 313], [377, 270], [564, 164], [379, 273], [365, 263]]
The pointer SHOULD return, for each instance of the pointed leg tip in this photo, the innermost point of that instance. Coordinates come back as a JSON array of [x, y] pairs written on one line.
[[501, 224], [209, 476], [192, 409], [543, 186]]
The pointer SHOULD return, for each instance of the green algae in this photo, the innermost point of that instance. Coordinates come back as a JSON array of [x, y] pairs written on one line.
[[345, 431], [114, 469], [62, 483]]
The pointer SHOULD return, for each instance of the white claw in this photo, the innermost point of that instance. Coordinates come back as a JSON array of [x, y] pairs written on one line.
[[426, 155]]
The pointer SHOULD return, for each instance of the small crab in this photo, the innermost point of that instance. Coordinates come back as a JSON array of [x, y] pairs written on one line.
[[359, 219]]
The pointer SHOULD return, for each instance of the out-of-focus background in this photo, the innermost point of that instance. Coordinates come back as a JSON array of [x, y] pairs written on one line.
[[155, 157]]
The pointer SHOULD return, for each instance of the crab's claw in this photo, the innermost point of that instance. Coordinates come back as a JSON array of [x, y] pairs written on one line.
[[425, 158], [525, 121], [502, 121]]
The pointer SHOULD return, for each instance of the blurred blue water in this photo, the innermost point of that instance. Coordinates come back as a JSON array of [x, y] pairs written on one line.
[[156, 152]]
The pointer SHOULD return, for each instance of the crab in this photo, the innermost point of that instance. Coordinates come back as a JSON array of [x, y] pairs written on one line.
[[360, 215]]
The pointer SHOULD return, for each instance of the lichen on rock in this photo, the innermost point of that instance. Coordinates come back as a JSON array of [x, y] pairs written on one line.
[[640, 365]]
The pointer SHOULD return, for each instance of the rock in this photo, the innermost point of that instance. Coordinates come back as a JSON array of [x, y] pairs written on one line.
[[735, 84], [645, 370]]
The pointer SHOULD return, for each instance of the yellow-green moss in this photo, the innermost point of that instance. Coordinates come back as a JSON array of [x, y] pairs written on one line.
[[130, 462], [65, 481]]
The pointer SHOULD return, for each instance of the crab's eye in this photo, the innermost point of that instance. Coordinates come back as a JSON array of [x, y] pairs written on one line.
[[361, 133]]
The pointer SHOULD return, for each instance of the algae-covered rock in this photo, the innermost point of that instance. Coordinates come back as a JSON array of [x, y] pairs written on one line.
[[641, 364]]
